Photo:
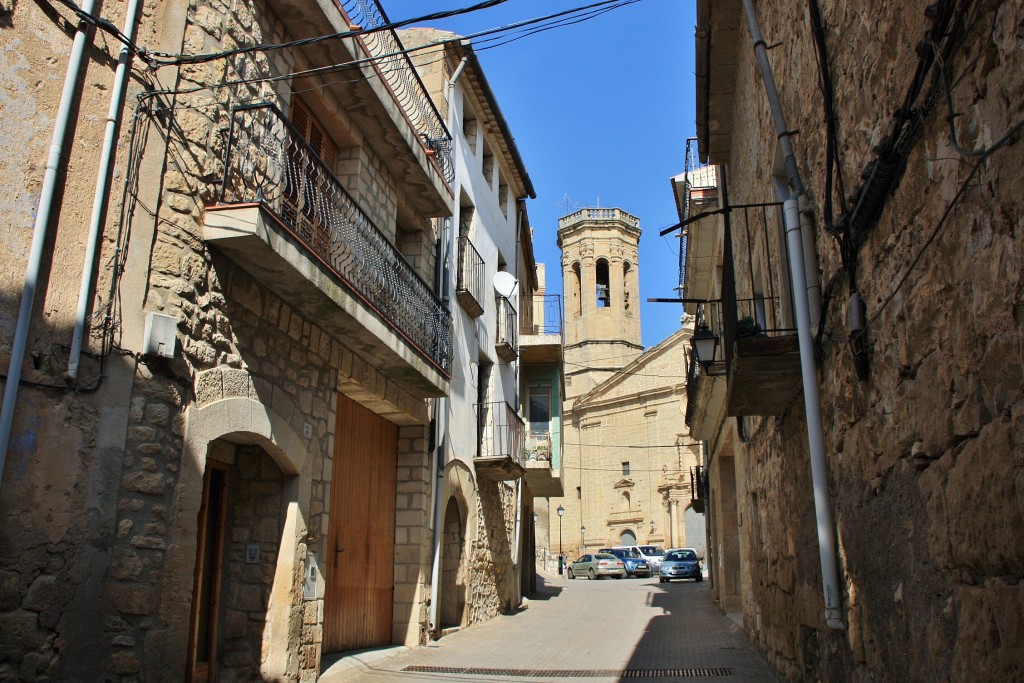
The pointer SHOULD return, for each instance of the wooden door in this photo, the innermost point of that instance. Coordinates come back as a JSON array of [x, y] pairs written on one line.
[[203, 634], [360, 552]]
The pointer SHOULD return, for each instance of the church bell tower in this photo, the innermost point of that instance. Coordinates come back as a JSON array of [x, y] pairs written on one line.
[[600, 258]]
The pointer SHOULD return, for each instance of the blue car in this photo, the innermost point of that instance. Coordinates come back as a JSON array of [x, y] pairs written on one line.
[[681, 563], [635, 566]]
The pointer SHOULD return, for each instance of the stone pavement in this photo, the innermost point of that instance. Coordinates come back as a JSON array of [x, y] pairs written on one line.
[[603, 630]]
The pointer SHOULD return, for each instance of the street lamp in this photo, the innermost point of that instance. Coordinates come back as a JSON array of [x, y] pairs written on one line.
[[704, 343], [583, 535], [560, 511]]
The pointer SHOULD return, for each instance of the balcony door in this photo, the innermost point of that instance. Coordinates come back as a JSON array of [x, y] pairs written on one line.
[[307, 202]]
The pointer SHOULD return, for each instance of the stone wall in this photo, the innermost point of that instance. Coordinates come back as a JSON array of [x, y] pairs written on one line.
[[96, 573], [923, 456], [492, 580]]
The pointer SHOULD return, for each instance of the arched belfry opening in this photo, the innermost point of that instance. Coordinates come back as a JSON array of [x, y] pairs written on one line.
[[604, 291]]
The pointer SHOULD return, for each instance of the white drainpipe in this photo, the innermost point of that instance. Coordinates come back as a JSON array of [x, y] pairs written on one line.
[[808, 365], [435, 567], [516, 541], [102, 188], [42, 223]]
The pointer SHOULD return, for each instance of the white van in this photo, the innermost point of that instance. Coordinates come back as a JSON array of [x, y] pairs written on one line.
[[654, 554]]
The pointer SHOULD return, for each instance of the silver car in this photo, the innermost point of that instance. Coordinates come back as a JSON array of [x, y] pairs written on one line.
[[597, 566], [681, 563]]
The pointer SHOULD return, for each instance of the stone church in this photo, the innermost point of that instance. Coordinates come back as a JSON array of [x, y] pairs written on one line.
[[628, 457]]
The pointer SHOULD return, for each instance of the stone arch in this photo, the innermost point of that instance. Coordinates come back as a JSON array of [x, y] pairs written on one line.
[[602, 274], [241, 422], [457, 519], [627, 537], [576, 289]]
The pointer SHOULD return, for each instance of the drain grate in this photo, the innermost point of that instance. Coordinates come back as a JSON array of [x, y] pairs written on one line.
[[702, 672]]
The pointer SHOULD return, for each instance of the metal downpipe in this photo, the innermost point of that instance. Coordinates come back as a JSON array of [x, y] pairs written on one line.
[[42, 224], [102, 187], [808, 365]]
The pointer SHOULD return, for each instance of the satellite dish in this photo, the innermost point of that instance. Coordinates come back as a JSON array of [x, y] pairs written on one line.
[[505, 283]]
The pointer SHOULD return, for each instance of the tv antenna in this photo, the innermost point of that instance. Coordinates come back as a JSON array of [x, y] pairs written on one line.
[[568, 205]]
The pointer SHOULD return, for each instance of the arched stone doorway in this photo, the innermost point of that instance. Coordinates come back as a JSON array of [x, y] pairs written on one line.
[[627, 537], [240, 522], [453, 572]]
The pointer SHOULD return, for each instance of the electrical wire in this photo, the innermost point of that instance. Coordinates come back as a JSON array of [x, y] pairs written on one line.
[[634, 446], [381, 60], [171, 59], [177, 59]]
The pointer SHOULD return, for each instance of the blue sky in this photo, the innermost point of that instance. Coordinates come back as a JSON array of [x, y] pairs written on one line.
[[600, 111]]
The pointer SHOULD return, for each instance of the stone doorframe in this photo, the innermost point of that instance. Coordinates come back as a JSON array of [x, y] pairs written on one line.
[[239, 420]]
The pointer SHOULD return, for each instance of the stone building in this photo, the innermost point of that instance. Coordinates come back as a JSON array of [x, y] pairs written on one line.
[[225, 372], [491, 472], [859, 255], [627, 456]]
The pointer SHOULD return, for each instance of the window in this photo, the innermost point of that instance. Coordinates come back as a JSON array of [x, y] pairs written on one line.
[[579, 493], [469, 127], [625, 469], [488, 165], [313, 132], [467, 212], [502, 196], [539, 408]]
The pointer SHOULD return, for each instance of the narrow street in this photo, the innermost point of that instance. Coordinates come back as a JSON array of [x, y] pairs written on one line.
[[602, 630]]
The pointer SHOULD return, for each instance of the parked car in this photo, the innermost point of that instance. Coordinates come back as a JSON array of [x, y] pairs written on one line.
[[635, 566], [596, 566], [681, 563], [652, 554]]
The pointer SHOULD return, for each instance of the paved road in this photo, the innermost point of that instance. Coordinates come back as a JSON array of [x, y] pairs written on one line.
[[604, 630]]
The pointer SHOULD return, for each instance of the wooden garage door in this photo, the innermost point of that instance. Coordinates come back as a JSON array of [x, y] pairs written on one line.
[[361, 541]]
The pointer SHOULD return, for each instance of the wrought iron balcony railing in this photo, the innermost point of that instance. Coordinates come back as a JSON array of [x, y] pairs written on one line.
[[471, 281], [540, 314], [506, 339], [399, 73], [538, 445], [267, 161], [500, 431]]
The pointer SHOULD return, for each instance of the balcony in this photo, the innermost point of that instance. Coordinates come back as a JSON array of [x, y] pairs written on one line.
[[471, 281], [626, 517], [540, 464], [761, 349], [506, 343], [285, 219], [396, 69], [538, 446], [386, 104], [500, 442], [540, 329], [763, 359]]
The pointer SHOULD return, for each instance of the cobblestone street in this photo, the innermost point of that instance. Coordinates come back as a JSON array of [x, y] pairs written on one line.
[[602, 630]]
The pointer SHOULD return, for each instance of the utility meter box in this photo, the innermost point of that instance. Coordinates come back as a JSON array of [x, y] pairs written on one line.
[[161, 335]]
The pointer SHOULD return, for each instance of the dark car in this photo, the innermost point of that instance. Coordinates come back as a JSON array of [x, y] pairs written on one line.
[[681, 563], [635, 566]]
